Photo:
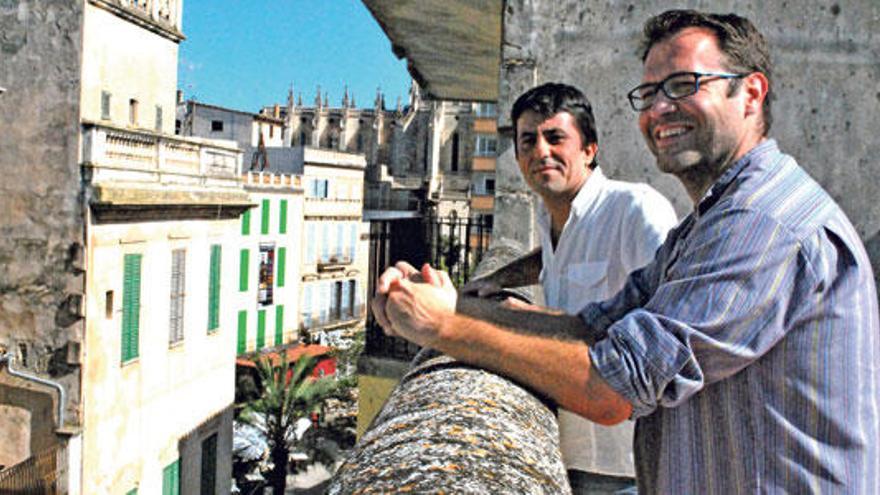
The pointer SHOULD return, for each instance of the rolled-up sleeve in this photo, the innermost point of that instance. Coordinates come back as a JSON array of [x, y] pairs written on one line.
[[720, 304]]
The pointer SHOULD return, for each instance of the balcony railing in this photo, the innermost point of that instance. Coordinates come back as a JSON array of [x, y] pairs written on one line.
[[334, 262], [111, 147], [39, 473], [329, 317], [163, 12]]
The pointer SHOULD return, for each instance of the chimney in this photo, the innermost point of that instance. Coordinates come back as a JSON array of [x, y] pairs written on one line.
[[276, 111]]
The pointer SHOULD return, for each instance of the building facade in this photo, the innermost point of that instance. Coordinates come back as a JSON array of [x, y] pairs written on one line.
[[118, 363]]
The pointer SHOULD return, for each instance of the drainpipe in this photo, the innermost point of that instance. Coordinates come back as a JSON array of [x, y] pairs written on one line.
[[9, 358]]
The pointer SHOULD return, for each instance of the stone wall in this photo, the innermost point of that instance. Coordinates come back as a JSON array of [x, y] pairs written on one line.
[[827, 63], [41, 234]]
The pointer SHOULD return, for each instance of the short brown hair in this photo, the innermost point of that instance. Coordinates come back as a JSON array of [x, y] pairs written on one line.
[[744, 48]]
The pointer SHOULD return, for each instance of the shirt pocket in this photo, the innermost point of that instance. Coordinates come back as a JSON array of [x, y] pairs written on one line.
[[586, 282]]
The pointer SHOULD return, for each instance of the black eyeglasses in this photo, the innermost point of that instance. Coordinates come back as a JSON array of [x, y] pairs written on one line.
[[675, 87]]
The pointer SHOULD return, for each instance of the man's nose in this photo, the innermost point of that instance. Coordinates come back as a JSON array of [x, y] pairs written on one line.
[[542, 147], [662, 104]]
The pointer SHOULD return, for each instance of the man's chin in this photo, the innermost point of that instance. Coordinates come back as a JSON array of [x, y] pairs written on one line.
[[671, 163]]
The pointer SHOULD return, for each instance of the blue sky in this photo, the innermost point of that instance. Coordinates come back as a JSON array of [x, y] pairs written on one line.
[[244, 54]]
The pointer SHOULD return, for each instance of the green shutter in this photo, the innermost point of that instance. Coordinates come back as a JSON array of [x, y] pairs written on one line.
[[261, 329], [246, 222], [171, 479], [282, 257], [279, 324], [133, 491], [282, 217], [131, 305], [242, 332], [244, 263], [264, 224], [214, 290]]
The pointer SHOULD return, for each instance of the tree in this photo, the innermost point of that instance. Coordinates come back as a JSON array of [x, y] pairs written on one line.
[[289, 393]]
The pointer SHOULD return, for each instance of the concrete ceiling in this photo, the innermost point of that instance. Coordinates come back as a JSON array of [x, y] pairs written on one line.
[[452, 47]]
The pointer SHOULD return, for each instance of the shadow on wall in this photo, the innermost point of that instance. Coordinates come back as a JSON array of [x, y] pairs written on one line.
[[872, 246], [27, 421]]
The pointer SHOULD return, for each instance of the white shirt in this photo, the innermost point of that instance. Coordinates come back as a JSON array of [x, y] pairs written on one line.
[[613, 228]]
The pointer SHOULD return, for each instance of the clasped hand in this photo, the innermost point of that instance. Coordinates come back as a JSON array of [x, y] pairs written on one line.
[[412, 304]]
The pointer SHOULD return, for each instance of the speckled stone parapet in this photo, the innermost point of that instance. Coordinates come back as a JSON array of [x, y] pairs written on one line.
[[452, 428]]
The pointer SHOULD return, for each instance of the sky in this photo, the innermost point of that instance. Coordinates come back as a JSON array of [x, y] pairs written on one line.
[[245, 54]]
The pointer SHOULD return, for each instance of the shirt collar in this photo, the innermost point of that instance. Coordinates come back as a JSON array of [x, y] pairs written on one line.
[[715, 192]]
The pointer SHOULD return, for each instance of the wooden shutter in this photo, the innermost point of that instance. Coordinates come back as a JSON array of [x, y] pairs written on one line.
[[282, 264], [279, 324], [246, 223], [264, 224], [242, 332], [243, 265], [282, 217], [171, 479], [261, 329], [178, 284], [131, 305], [214, 289]]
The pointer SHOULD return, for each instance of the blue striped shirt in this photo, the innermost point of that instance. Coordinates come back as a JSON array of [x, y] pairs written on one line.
[[749, 346]]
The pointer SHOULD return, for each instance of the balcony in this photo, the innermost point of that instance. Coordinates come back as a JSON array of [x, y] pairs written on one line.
[[484, 164], [483, 202], [272, 180], [130, 170], [329, 319], [162, 16], [334, 263]]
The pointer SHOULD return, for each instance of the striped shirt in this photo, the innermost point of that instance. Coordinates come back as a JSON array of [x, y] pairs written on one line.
[[749, 346]]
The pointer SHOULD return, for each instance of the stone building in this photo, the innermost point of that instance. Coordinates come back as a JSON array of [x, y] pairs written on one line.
[[118, 258]]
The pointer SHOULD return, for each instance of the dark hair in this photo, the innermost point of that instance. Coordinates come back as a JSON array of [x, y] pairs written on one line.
[[551, 98], [743, 46]]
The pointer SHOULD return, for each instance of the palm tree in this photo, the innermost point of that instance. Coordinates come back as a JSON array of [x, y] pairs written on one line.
[[288, 394]]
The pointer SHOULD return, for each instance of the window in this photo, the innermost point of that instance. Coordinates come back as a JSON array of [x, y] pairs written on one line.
[[360, 142], [264, 223], [486, 146], [108, 304], [487, 110], [302, 138], [352, 241], [325, 243], [243, 265], [216, 126], [453, 165], [282, 265], [241, 348], [261, 329], [307, 307], [158, 118], [490, 186], [178, 285], [271, 131], [340, 240], [208, 485], [105, 105], [132, 111], [177, 126], [282, 217], [171, 479], [352, 294], [131, 305], [336, 300], [346, 302], [214, 289], [267, 274], [310, 243], [279, 324], [320, 188], [246, 223]]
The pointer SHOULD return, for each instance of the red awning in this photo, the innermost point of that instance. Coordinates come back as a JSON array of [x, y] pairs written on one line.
[[293, 353]]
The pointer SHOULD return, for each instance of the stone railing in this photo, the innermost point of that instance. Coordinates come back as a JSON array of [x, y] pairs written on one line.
[[163, 12], [112, 147], [272, 179]]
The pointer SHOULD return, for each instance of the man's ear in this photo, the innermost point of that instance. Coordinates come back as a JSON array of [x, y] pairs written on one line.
[[590, 150], [756, 86]]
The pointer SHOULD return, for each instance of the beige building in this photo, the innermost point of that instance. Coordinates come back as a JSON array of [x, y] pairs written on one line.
[[141, 398]]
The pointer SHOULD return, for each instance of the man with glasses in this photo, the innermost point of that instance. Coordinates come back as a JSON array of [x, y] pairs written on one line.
[[748, 350]]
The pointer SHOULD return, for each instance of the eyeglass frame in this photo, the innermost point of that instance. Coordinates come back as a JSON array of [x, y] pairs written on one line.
[[661, 86]]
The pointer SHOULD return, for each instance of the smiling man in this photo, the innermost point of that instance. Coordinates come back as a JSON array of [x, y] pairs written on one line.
[[748, 350], [594, 231]]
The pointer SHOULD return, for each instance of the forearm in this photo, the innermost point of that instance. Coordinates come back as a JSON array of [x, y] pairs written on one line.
[[550, 323], [558, 368]]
